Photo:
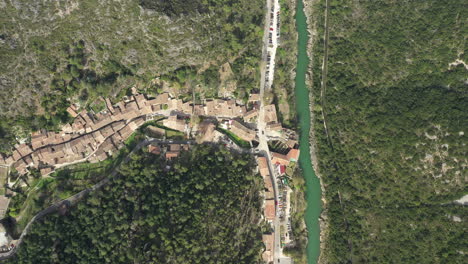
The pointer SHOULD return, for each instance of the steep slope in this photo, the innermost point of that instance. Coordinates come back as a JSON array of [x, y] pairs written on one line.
[[54, 52], [159, 211], [394, 106]]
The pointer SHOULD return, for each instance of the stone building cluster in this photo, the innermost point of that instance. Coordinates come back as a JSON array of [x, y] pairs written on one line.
[[94, 137]]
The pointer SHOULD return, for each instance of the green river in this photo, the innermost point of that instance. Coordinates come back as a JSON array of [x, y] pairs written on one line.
[[313, 193]]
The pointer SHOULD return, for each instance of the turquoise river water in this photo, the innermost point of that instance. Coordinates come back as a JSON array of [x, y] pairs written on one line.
[[313, 192]]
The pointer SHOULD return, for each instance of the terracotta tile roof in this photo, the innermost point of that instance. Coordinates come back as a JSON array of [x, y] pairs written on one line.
[[125, 132], [162, 98], [20, 166], [108, 145], [120, 105], [72, 112], [140, 100], [101, 156], [270, 114], [98, 137], [155, 108], [117, 126], [86, 117], [242, 131], [67, 128], [139, 121], [263, 166], [224, 108], [154, 149], [174, 147], [251, 114], [175, 104], [117, 140], [274, 127], [199, 110], [24, 149], [172, 154], [146, 110], [16, 155], [174, 123], [132, 106], [264, 171], [109, 105], [277, 158], [268, 240], [254, 97], [293, 155], [187, 107], [270, 210], [133, 126], [9, 160], [106, 131]]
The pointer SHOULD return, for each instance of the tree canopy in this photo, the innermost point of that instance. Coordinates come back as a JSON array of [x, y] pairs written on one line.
[[201, 208]]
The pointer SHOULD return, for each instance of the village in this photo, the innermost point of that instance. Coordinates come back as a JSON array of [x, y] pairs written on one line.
[[94, 137]]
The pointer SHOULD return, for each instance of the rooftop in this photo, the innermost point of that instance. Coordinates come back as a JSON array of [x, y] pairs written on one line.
[[242, 131], [270, 211]]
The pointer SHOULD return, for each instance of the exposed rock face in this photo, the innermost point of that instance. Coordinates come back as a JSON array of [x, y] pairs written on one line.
[[141, 36], [174, 7]]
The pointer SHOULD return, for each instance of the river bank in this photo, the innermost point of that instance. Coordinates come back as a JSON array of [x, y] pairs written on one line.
[[314, 17], [308, 159]]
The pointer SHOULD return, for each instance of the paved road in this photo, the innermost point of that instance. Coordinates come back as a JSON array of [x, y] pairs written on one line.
[[77, 197], [267, 73]]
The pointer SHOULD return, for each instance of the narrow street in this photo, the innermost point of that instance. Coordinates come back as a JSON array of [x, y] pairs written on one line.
[[270, 44], [267, 74]]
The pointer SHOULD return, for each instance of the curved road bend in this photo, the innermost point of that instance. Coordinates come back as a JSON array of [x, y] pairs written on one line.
[[75, 198], [263, 146]]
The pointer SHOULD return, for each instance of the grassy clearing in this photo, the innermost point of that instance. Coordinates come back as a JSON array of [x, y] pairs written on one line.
[[240, 142], [3, 179], [42, 192]]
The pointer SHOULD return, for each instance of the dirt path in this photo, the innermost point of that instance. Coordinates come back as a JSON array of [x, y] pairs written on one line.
[[323, 88]]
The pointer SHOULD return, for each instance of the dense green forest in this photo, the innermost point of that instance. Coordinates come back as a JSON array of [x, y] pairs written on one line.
[[56, 53], [285, 63], [201, 208], [395, 108]]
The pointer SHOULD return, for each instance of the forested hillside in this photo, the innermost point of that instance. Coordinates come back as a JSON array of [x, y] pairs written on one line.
[[54, 53], [394, 102], [202, 208]]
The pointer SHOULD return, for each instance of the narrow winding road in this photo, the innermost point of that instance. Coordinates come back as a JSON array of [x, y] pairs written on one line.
[[72, 200], [270, 40]]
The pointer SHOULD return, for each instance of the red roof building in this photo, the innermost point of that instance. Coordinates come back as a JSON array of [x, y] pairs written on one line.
[[270, 210], [282, 169], [293, 155], [154, 149], [279, 159]]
